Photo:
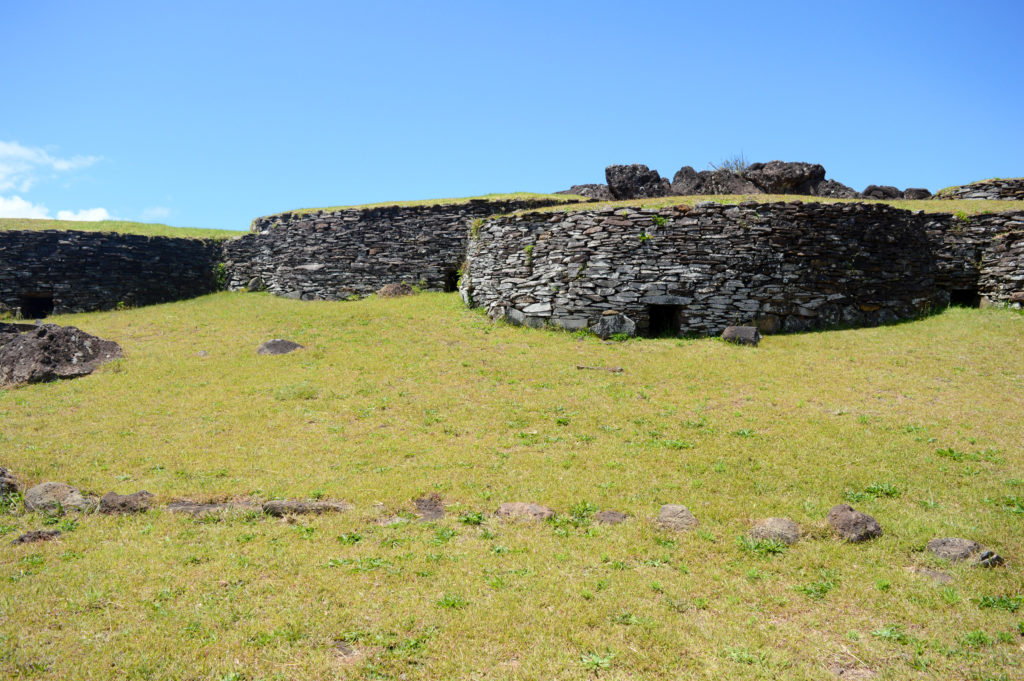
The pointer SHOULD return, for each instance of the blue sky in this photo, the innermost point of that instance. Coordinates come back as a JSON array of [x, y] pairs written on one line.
[[210, 113]]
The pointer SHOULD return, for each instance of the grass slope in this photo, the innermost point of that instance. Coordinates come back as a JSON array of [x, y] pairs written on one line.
[[917, 424], [118, 226]]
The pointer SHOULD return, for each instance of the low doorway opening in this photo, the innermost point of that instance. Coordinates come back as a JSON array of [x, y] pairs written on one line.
[[965, 297], [451, 281], [664, 320], [36, 305]]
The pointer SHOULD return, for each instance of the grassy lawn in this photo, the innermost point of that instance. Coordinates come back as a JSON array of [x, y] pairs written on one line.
[[119, 226], [918, 424]]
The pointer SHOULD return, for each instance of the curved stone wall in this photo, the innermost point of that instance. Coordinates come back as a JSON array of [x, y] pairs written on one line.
[[999, 189], [333, 255], [66, 271], [783, 266]]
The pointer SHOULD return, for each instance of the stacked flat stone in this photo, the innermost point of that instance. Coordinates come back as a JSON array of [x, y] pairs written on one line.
[[332, 255], [992, 190], [85, 271]]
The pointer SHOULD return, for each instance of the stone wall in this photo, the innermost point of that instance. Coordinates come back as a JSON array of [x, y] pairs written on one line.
[[784, 266], [1006, 190], [333, 255], [1002, 270], [963, 250], [68, 271]]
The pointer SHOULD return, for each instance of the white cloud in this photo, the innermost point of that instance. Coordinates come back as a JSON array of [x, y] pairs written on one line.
[[21, 166], [17, 207], [155, 213], [84, 215]]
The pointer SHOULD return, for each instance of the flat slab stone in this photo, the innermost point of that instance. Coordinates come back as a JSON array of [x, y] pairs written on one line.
[[291, 507], [139, 502], [776, 529], [522, 510], [49, 352], [277, 346], [742, 335], [954, 549], [676, 517], [935, 576], [53, 497], [198, 509], [429, 507], [610, 517], [36, 535], [851, 525]]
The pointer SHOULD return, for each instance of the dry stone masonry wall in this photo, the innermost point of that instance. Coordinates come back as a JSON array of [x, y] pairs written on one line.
[[782, 266], [331, 255], [997, 189], [55, 271]]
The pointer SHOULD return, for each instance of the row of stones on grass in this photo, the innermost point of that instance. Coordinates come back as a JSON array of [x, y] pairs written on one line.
[[846, 522]]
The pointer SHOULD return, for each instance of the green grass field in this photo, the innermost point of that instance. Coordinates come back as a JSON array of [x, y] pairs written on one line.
[[918, 424], [118, 226]]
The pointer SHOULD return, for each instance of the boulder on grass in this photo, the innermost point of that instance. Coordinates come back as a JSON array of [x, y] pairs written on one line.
[[49, 352], [676, 517], [277, 346], [36, 535], [56, 497], [916, 194], [609, 517], [852, 525], [590, 191], [781, 530], [139, 502], [780, 177], [635, 181], [612, 324], [742, 335], [956, 549], [8, 483], [884, 192]]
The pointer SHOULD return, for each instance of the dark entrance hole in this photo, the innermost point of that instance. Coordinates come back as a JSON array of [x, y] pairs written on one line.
[[664, 320], [451, 281], [36, 305], [965, 297]]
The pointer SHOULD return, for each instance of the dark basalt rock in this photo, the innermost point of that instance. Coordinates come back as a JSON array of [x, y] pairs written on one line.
[[36, 535], [277, 346], [612, 323], [635, 181], [851, 525], [430, 507], [48, 352], [610, 517], [742, 335], [779, 177], [689, 182], [956, 549], [834, 190], [139, 502], [590, 191], [885, 192], [8, 483], [916, 194]]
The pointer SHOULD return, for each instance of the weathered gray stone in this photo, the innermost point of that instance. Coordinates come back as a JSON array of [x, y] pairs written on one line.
[[395, 290], [852, 525], [609, 517], [916, 194], [956, 549], [676, 517], [201, 509], [776, 529], [609, 325], [139, 502], [8, 483], [590, 191], [779, 177], [277, 346], [887, 192], [293, 507], [55, 497], [521, 510], [742, 335]]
